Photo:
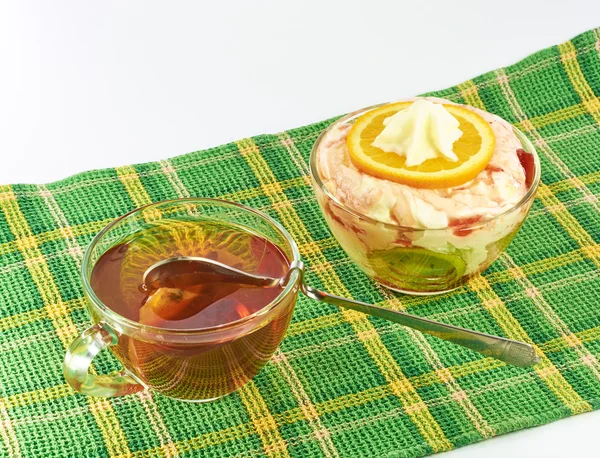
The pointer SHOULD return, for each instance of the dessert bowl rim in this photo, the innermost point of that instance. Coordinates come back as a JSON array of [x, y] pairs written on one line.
[[318, 182]]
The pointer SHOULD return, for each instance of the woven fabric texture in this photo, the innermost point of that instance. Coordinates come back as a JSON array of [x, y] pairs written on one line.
[[335, 387]]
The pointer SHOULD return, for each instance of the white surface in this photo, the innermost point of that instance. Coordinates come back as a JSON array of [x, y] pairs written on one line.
[[99, 84]]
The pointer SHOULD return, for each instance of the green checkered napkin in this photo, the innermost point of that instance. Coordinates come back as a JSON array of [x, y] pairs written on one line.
[[335, 387]]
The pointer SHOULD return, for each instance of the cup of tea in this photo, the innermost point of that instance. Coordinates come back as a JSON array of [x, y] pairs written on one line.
[[193, 342]]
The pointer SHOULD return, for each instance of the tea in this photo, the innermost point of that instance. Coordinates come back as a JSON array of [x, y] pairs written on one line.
[[216, 365]]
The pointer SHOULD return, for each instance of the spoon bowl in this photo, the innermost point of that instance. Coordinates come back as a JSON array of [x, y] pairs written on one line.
[[192, 269]]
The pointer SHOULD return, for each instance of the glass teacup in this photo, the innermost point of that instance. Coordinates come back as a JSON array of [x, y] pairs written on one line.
[[196, 364]]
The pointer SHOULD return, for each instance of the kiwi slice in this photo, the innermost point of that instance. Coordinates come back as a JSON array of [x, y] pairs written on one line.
[[417, 269]]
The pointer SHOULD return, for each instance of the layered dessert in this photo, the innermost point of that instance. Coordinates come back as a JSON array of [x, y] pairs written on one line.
[[424, 193]]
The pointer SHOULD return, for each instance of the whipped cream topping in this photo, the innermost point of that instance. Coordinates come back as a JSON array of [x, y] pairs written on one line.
[[497, 188], [425, 130]]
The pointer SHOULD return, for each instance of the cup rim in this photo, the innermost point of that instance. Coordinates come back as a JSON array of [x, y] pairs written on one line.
[[316, 177], [131, 324]]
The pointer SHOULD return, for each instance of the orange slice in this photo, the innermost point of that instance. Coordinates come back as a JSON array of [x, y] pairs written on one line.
[[474, 150]]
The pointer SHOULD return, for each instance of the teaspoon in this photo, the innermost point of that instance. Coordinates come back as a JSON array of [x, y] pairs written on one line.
[[199, 270]]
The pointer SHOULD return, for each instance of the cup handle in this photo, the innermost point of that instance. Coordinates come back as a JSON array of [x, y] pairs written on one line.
[[79, 359]]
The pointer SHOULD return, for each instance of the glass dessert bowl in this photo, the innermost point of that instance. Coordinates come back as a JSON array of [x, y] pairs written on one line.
[[419, 201]]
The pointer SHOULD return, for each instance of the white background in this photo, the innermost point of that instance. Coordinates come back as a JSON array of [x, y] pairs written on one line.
[[99, 84]]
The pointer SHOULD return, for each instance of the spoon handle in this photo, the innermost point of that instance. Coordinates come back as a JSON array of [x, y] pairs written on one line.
[[510, 351]]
